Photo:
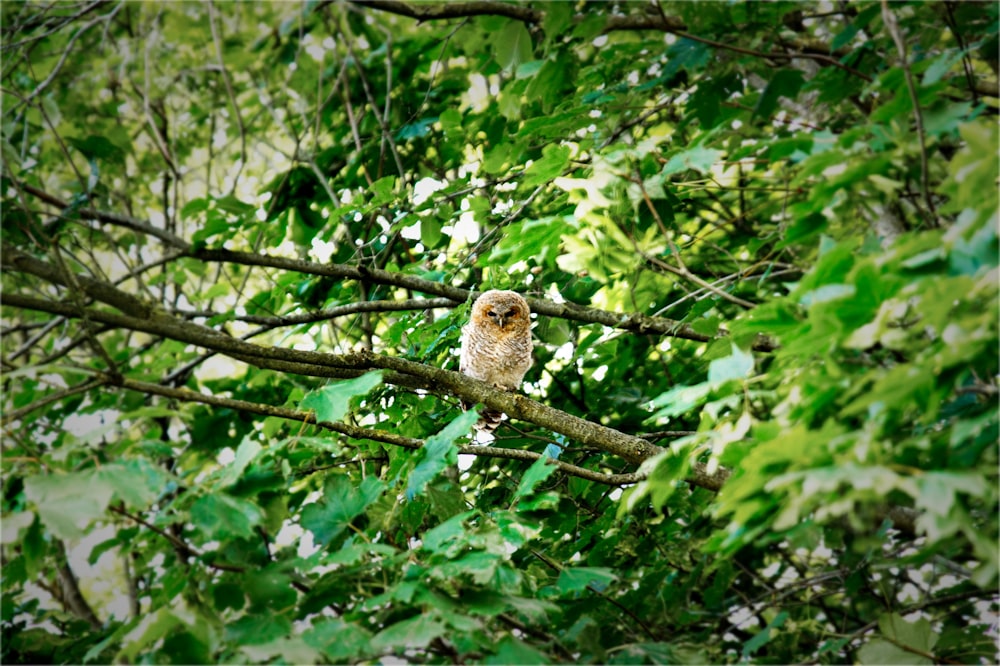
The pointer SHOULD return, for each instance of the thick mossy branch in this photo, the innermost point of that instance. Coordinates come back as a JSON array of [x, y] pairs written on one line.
[[383, 436], [403, 372]]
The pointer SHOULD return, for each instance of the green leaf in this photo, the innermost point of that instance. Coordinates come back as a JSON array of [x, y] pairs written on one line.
[[783, 83], [577, 579], [430, 231], [292, 650], [98, 147], [222, 516], [699, 159], [246, 452], [257, 629], [687, 54], [339, 640], [342, 502], [230, 204], [764, 636], [153, 627], [416, 632], [738, 365], [679, 400], [540, 470], [511, 650], [451, 122], [973, 171], [331, 403], [448, 531], [439, 452], [512, 45], [558, 17], [480, 566], [878, 651], [553, 162], [827, 292], [940, 66], [138, 482], [917, 634], [67, 503], [382, 191]]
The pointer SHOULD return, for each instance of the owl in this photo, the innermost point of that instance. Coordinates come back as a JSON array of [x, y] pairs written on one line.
[[496, 345]]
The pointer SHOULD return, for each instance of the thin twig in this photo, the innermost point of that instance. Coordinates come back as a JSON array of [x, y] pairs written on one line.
[[180, 545], [382, 122], [40, 88], [212, 20], [17, 414], [889, 18], [681, 269]]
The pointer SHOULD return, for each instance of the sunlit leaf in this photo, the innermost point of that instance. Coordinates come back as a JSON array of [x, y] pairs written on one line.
[[67, 503], [332, 402]]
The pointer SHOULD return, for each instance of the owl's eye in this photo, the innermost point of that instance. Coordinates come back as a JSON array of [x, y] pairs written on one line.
[[490, 313]]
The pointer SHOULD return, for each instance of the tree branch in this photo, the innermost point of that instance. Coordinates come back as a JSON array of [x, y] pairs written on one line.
[[110, 218], [634, 322], [407, 373], [180, 545], [70, 588], [645, 21], [449, 10], [331, 313], [15, 415], [356, 432], [889, 20], [403, 372]]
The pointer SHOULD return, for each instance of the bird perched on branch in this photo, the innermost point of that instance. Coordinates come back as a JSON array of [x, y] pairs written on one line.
[[496, 346]]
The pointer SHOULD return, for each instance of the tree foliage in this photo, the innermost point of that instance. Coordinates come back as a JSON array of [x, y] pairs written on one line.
[[760, 244]]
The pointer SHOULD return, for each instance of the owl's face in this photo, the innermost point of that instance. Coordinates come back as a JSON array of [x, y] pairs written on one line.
[[504, 310]]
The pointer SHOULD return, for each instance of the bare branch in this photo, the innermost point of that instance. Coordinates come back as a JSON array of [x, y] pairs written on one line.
[[634, 322], [17, 414], [449, 10], [110, 218], [180, 545], [646, 21], [72, 598], [889, 20], [212, 21], [331, 313], [356, 432], [408, 373], [40, 88], [904, 519]]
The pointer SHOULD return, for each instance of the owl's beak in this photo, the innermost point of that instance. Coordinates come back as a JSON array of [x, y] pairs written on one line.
[[500, 320]]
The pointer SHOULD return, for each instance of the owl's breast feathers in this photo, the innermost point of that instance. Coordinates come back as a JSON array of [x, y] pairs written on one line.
[[502, 361]]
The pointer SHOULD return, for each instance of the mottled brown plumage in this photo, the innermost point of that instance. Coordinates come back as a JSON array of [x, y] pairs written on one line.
[[496, 345]]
